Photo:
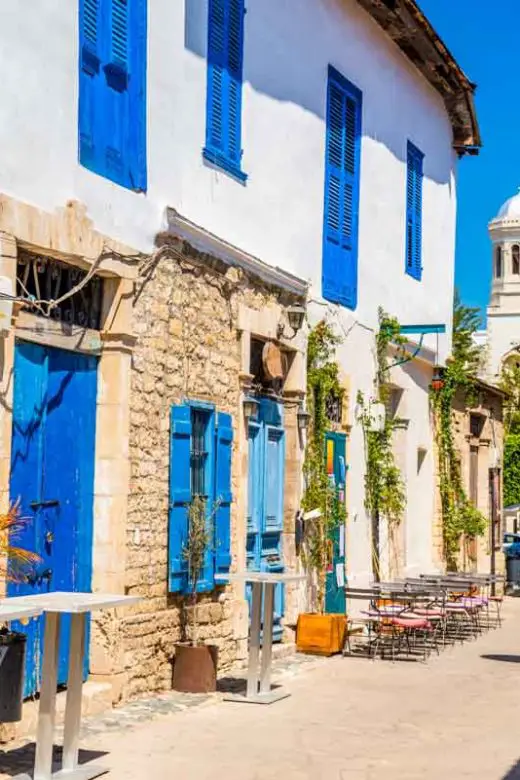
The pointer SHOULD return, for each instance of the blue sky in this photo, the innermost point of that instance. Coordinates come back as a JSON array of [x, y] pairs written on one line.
[[484, 38]]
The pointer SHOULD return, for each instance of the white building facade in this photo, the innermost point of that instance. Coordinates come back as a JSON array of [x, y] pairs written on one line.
[[235, 128]]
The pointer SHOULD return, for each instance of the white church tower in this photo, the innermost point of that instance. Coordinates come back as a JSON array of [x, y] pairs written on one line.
[[503, 314]]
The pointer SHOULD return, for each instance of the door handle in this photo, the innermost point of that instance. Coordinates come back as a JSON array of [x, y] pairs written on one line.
[[38, 577], [44, 504]]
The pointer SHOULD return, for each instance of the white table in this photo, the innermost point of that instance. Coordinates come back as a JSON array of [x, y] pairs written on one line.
[[259, 689], [78, 605]]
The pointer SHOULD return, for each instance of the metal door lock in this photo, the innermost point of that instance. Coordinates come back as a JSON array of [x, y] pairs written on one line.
[[49, 537]]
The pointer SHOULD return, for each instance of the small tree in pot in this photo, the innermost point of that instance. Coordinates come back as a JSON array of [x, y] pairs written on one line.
[[195, 668], [15, 564]]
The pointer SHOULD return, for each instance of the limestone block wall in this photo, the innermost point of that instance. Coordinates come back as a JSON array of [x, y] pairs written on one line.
[[186, 310]]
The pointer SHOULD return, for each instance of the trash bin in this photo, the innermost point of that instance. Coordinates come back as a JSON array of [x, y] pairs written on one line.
[[12, 668], [513, 571]]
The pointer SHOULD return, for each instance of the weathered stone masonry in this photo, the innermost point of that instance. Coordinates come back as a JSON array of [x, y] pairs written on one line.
[[187, 308]]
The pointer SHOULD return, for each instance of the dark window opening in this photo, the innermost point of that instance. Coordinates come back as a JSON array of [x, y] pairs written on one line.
[[498, 262], [476, 424], [199, 451], [334, 408], [516, 259], [261, 381], [46, 279]]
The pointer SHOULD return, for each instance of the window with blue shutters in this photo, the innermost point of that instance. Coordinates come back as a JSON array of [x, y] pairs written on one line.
[[342, 172], [414, 185], [112, 90], [200, 464], [224, 85]]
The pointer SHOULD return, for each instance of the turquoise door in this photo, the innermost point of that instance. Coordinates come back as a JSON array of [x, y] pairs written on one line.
[[337, 472], [52, 474], [265, 499]]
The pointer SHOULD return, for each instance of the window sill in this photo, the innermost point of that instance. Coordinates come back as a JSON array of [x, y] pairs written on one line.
[[218, 159]]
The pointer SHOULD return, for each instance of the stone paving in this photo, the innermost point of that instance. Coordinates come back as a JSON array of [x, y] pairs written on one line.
[[348, 718]]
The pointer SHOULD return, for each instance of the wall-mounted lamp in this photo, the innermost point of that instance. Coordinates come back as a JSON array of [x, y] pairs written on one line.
[[251, 407], [303, 418], [295, 316]]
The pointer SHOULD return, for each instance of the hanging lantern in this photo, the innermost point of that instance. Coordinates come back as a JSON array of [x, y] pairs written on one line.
[[437, 382]]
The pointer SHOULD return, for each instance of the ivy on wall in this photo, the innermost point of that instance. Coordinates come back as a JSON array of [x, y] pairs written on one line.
[[510, 383], [322, 381], [385, 495], [459, 517]]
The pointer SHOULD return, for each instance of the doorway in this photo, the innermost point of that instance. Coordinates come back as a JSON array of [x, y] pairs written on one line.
[[52, 475], [264, 551], [335, 603]]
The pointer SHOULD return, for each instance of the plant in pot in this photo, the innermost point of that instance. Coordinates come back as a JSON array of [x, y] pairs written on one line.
[[318, 632], [195, 667], [15, 564]]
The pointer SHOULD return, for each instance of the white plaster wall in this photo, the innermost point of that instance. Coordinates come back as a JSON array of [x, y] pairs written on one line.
[[503, 335], [278, 214]]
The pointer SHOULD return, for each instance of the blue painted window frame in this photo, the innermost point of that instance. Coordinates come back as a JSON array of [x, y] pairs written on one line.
[[342, 182], [112, 90], [225, 56], [218, 435], [414, 208]]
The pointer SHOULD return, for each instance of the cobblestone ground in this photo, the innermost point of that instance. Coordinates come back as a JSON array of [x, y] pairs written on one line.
[[347, 719]]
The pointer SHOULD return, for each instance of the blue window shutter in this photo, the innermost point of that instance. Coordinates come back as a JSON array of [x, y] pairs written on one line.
[[224, 439], [112, 104], [275, 460], [224, 88], [180, 495], [342, 172], [89, 80], [414, 185]]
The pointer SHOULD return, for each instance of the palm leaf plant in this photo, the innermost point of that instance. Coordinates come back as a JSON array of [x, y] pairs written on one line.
[[15, 562]]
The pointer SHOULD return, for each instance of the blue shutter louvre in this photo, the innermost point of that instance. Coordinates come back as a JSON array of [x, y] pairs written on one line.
[[180, 495], [342, 170], [224, 98], [224, 436], [89, 78], [120, 32], [414, 183]]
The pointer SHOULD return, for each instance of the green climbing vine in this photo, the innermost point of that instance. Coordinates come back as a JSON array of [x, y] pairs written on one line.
[[385, 494], [460, 518], [322, 381]]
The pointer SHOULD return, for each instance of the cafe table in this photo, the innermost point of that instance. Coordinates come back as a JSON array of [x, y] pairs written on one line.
[[259, 690], [53, 605]]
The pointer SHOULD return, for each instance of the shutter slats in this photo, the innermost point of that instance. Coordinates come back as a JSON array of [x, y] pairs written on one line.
[[180, 495], [224, 99], [90, 21], [414, 181], [224, 447], [339, 275], [120, 31]]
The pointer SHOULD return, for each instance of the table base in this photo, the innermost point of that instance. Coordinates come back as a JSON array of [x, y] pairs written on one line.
[[84, 772], [260, 698]]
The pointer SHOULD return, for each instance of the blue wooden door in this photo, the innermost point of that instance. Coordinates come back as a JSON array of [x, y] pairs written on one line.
[[52, 474], [335, 454], [265, 499]]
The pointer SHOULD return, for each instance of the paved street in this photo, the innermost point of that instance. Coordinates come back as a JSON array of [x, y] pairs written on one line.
[[455, 718]]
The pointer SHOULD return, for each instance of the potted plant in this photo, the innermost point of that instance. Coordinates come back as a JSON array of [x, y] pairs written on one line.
[[195, 667], [318, 632], [14, 566]]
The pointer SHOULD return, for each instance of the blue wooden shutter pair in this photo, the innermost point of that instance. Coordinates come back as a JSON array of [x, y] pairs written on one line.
[[414, 183], [342, 172], [112, 90], [218, 560], [224, 89]]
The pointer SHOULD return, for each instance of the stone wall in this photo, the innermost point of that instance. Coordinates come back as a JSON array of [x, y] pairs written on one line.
[[186, 312]]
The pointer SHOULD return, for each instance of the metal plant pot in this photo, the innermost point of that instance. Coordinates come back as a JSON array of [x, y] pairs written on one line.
[[195, 668], [12, 666]]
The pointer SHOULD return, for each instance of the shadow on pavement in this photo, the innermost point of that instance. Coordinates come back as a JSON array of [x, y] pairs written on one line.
[[514, 772], [21, 759], [509, 659]]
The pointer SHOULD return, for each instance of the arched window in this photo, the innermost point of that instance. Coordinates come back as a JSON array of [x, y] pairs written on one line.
[[498, 262], [516, 259]]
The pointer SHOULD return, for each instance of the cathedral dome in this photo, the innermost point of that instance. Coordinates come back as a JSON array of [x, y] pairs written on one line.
[[511, 208]]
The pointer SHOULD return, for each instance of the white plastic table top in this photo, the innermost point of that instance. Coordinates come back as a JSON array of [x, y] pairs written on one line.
[[72, 603], [260, 576], [10, 612]]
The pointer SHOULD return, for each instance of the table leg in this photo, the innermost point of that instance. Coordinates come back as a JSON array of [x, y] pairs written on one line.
[[74, 691], [47, 711], [267, 639], [254, 642]]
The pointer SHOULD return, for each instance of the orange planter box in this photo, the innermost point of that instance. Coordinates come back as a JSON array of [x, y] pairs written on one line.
[[321, 634]]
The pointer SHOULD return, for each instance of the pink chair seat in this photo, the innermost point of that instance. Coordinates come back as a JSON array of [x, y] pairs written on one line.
[[404, 622]]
